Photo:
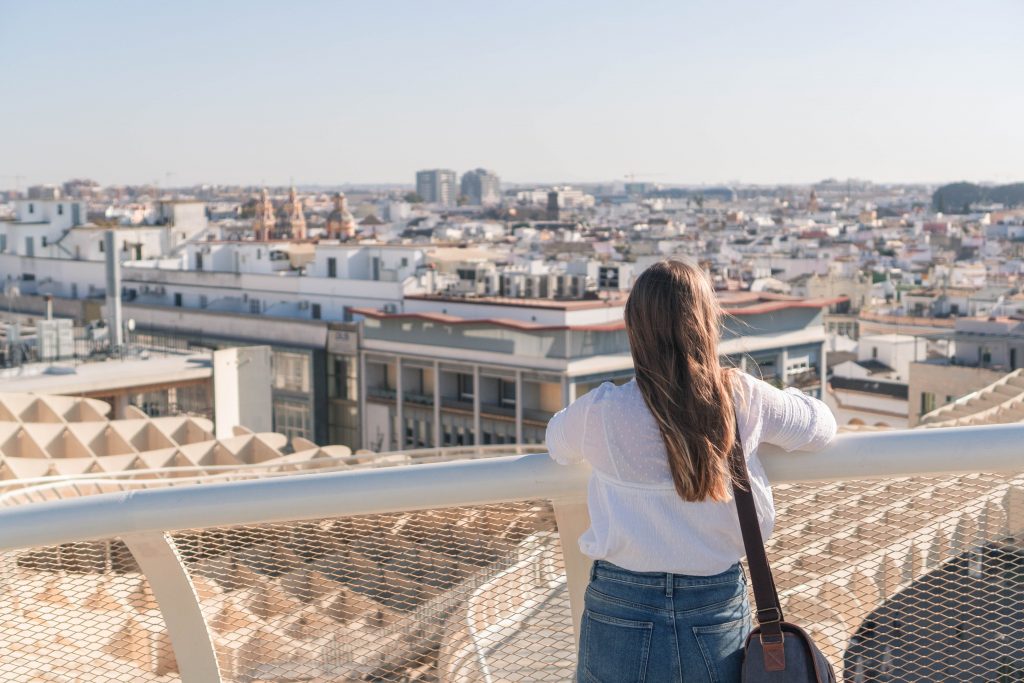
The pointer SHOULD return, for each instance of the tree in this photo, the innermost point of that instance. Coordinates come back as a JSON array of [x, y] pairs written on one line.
[[413, 198]]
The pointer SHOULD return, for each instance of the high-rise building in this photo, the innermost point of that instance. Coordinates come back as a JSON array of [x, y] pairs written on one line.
[[553, 208], [436, 186], [50, 192], [481, 187]]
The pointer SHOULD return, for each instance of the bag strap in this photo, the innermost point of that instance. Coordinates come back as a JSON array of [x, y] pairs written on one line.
[[766, 597]]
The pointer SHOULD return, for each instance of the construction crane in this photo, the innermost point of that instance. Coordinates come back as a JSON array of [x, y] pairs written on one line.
[[18, 179], [632, 176]]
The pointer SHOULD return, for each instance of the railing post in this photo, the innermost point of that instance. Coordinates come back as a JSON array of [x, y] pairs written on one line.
[[172, 587], [573, 519]]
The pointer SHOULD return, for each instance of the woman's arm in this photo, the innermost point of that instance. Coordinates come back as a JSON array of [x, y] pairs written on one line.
[[794, 421], [566, 430]]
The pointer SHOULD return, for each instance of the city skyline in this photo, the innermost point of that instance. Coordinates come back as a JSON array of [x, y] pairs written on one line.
[[347, 94]]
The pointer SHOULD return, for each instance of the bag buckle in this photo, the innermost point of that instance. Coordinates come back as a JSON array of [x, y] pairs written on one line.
[[772, 615]]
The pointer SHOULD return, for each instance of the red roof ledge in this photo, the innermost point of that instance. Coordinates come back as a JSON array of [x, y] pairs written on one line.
[[766, 303], [769, 303], [445, 319]]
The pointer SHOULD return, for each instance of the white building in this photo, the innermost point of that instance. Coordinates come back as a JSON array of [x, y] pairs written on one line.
[[37, 224]]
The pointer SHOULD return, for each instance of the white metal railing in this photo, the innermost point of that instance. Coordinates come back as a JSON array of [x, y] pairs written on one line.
[[25, 489], [143, 519]]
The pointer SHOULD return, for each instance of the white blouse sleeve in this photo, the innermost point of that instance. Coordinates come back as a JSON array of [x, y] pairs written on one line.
[[794, 421], [566, 430]]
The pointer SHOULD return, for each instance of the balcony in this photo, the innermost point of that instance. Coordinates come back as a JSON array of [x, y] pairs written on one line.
[[487, 409], [902, 556]]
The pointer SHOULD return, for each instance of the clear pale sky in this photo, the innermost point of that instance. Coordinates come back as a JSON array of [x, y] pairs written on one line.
[[372, 90]]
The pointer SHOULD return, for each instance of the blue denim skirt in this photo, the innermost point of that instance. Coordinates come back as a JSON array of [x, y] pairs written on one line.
[[649, 626]]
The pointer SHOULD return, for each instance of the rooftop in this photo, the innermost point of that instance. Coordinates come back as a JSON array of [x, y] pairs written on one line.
[[43, 378]]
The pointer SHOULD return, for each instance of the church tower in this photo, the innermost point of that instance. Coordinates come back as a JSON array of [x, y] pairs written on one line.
[[340, 222], [293, 220], [264, 221]]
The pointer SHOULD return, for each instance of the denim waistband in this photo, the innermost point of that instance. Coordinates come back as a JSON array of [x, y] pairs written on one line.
[[602, 569]]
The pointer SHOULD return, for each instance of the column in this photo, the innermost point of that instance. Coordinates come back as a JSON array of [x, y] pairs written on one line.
[[400, 440], [568, 391], [120, 404], [362, 399], [477, 438], [823, 369], [437, 404], [780, 367], [519, 407]]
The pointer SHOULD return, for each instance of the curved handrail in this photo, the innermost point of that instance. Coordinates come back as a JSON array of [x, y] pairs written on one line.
[[475, 482], [273, 466]]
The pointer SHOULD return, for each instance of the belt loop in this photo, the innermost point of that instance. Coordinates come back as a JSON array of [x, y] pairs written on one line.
[[593, 570], [669, 584]]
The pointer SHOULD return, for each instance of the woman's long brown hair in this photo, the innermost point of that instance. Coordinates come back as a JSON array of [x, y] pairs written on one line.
[[672, 319]]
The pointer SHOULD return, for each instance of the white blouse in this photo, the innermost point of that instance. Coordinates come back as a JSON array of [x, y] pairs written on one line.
[[637, 520]]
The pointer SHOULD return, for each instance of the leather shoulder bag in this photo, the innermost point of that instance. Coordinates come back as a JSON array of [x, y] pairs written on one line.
[[776, 650]]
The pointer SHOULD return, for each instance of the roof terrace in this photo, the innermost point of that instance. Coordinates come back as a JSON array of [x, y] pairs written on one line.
[[900, 554]]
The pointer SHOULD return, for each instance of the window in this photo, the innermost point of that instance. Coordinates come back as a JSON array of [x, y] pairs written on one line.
[[332, 267], [31, 208], [986, 355], [315, 308], [405, 262], [291, 371], [60, 209], [177, 299], [202, 301], [45, 241], [254, 306], [506, 392], [1013, 352], [259, 254], [292, 418], [954, 309], [465, 387], [874, 352], [199, 261], [102, 246], [340, 379], [927, 402]]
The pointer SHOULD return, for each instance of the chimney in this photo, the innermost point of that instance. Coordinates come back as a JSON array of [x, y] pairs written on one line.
[[115, 328]]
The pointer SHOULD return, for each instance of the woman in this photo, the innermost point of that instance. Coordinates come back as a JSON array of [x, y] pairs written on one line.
[[667, 600]]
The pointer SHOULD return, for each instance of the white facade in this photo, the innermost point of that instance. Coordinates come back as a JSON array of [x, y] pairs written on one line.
[[39, 223], [897, 351]]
